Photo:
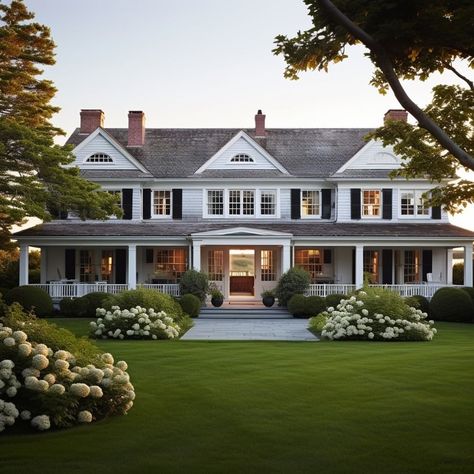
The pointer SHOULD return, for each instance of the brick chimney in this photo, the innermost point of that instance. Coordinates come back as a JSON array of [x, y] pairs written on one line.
[[260, 125], [136, 128], [396, 114], [91, 119]]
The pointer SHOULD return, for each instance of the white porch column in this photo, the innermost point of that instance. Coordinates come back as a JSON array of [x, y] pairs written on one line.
[[132, 266], [43, 264], [286, 258], [23, 276], [359, 265], [468, 265], [197, 256], [449, 266]]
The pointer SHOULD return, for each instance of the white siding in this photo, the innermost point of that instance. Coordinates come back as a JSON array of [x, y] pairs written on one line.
[[439, 265], [374, 156], [137, 203], [343, 265], [192, 203], [285, 203], [344, 204]]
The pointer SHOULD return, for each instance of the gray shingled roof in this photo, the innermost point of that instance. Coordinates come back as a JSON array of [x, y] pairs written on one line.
[[310, 229], [363, 173], [312, 152], [98, 174]]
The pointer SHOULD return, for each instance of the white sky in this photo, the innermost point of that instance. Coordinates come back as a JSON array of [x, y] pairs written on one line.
[[203, 64]]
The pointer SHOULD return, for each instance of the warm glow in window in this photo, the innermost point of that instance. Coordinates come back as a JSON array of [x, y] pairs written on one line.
[[267, 265], [162, 203], [310, 260], [215, 265], [170, 264], [371, 203], [309, 203], [412, 266], [371, 265]]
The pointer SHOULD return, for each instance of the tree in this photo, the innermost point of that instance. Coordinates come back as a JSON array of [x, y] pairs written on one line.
[[9, 268], [36, 179], [406, 40]]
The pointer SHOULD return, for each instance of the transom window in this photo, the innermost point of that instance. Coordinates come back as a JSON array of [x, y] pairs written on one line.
[[309, 203], [412, 266], [371, 265], [242, 158], [268, 203], [241, 202], [170, 264], [310, 260], [371, 203], [267, 265], [215, 265], [215, 202], [99, 158], [412, 203], [162, 203]]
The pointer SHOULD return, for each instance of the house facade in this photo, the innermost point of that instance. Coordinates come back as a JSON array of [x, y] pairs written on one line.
[[244, 206]]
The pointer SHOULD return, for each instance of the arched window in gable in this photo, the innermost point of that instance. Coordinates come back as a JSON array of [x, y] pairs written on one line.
[[99, 158], [242, 158]]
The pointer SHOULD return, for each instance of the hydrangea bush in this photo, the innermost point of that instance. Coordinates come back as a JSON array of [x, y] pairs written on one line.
[[47, 387], [379, 315], [134, 323]]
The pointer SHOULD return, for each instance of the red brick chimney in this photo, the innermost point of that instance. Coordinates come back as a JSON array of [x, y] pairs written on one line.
[[136, 128], [260, 125], [91, 119], [396, 114]]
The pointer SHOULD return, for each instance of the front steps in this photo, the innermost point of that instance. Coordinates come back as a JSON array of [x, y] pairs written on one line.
[[258, 312]]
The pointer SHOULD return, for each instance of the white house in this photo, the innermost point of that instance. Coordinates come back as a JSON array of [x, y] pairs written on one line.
[[244, 205]]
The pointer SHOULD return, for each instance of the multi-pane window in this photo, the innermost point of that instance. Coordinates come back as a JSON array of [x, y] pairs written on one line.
[[215, 265], [267, 265], [241, 202], [170, 263], [106, 266], [268, 203], [371, 265], [86, 267], [412, 203], [162, 203], [412, 266], [242, 158], [309, 203], [99, 158], [215, 202], [310, 260], [371, 203]]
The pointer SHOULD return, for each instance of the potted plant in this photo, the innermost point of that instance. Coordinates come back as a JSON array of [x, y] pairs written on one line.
[[217, 298], [268, 298]]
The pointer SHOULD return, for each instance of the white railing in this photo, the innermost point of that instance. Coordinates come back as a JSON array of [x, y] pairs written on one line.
[[168, 288], [323, 289]]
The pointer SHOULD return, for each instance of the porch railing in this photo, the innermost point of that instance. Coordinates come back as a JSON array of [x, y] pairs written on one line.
[[323, 289], [169, 288], [74, 290]]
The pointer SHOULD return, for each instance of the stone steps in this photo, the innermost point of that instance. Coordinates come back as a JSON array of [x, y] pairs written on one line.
[[244, 313]]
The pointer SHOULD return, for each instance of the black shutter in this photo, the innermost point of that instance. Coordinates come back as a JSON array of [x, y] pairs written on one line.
[[327, 256], [436, 212], [146, 204], [387, 266], [386, 203], [70, 264], [296, 204], [326, 204], [127, 203], [353, 266], [427, 263], [177, 195], [120, 266], [355, 203], [149, 256]]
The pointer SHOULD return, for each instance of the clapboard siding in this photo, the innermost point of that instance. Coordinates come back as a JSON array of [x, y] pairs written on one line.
[[192, 203], [137, 204], [285, 203], [100, 145], [344, 204]]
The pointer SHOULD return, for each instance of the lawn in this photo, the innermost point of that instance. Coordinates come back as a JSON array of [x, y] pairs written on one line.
[[270, 407]]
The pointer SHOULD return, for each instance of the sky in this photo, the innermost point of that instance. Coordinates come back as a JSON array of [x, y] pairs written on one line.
[[206, 63]]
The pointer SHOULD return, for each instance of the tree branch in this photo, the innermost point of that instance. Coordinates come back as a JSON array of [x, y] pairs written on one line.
[[383, 61], [455, 71]]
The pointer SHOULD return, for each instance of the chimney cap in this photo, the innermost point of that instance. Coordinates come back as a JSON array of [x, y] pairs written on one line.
[[135, 112], [259, 112]]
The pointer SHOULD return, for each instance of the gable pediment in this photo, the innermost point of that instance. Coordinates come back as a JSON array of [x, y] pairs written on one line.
[[242, 152]]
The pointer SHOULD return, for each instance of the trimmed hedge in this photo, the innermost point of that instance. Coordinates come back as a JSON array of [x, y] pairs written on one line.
[[334, 299], [315, 305], [297, 306], [94, 300], [191, 305], [452, 304], [31, 298], [294, 281], [470, 291], [73, 307]]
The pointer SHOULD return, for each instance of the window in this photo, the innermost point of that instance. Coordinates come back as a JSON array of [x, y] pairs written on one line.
[[215, 202], [170, 264], [86, 267], [242, 158], [310, 260], [241, 203], [412, 203], [412, 266], [162, 203], [99, 158], [215, 265], [268, 203], [267, 265], [371, 265], [309, 203], [106, 266], [371, 203]]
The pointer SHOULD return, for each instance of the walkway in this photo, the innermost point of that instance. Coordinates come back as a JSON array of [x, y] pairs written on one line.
[[249, 330]]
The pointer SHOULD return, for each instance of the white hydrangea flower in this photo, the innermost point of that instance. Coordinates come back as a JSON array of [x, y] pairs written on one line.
[[122, 365], [107, 358], [41, 422], [9, 341], [20, 336], [40, 361], [79, 390], [42, 349], [96, 391], [24, 349], [25, 415], [61, 364], [84, 416]]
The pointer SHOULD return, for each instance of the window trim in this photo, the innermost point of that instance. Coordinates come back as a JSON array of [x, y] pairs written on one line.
[[86, 160], [412, 216], [362, 216], [152, 198], [314, 216]]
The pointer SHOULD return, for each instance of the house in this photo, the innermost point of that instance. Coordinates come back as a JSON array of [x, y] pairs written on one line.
[[245, 205]]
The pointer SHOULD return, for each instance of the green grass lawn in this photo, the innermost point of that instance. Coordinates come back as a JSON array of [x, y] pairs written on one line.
[[275, 407]]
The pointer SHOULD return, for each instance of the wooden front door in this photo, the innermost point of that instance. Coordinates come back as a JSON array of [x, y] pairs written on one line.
[[242, 271]]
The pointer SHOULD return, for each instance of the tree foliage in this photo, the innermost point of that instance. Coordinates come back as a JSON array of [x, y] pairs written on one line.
[[36, 176], [406, 40]]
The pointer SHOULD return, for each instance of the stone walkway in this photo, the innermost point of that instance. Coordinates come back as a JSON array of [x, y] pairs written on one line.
[[249, 330]]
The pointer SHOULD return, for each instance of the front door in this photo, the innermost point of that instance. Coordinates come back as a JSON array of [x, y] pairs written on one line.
[[242, 272]]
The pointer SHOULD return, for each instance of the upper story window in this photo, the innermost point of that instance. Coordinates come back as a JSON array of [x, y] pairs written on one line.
[[99, 158], [371, 203], [412, 203], [242, 158], [310, 203], [215, 202], [241, 202], [268, 203], [162, 203]]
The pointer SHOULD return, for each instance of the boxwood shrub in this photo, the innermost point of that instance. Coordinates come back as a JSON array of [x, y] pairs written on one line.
[[73, 307], [191, 305], [94, 300], [294, 281], [194, 283], [314, 305], [297, 306], [31, 298], [452, 304]]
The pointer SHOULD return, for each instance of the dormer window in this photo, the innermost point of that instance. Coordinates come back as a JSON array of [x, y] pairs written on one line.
[[99, 158], [242, 158]]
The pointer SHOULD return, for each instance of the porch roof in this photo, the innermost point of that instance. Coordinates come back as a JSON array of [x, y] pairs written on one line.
[[296, 229]]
